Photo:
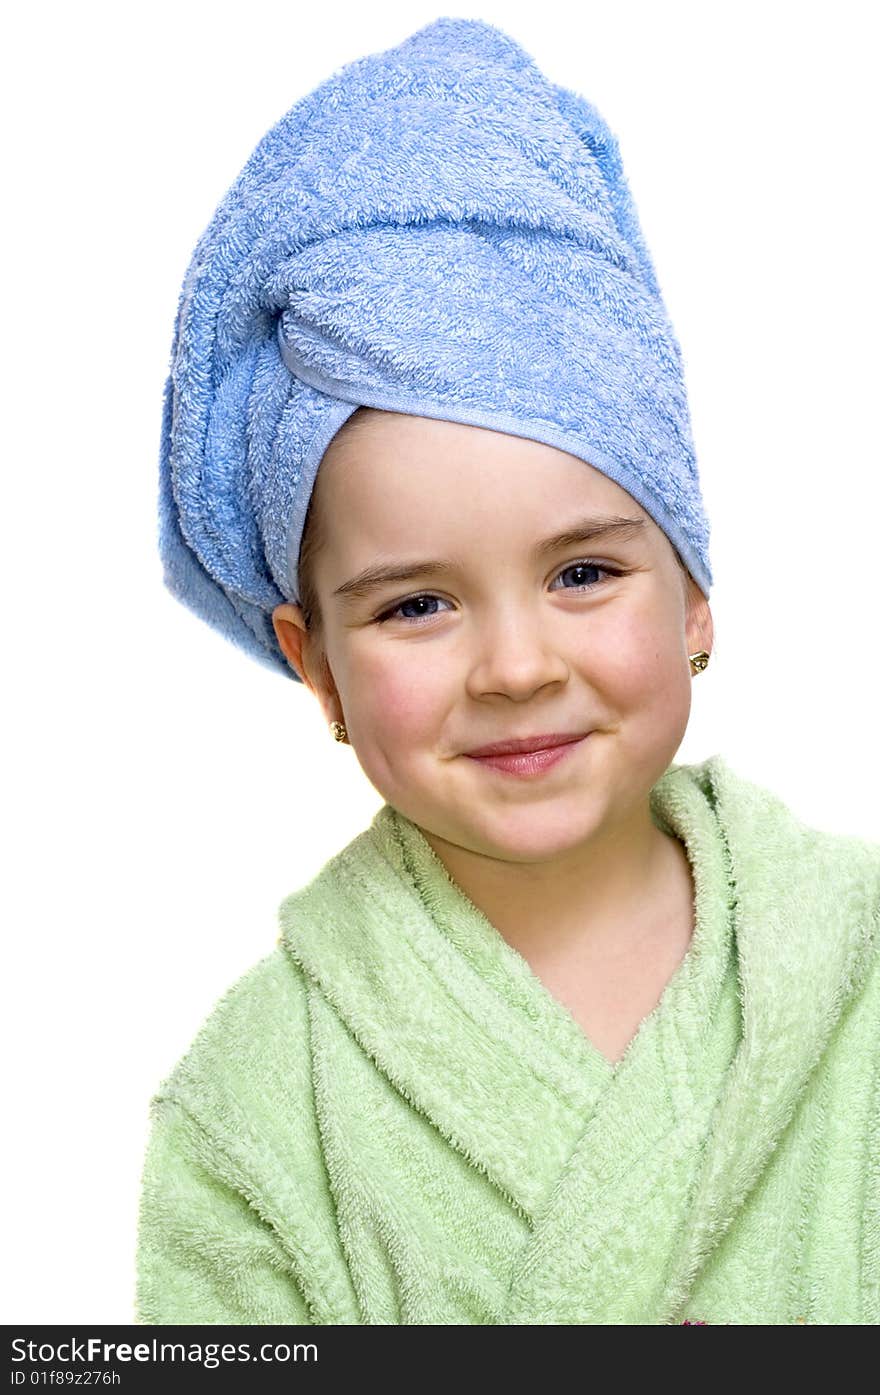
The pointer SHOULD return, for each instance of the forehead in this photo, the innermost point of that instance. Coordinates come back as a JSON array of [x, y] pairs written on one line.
[[393, 479]]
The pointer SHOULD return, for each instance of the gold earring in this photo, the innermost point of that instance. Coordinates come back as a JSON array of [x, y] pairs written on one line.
[[338, 731], [698, 661]]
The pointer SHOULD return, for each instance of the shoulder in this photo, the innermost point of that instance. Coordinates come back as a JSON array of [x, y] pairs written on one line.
[[819, 888], [760, 820], [254, 1040], [236, 1224]]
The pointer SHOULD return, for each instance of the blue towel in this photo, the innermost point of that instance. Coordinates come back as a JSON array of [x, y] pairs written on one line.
[[437, 230]]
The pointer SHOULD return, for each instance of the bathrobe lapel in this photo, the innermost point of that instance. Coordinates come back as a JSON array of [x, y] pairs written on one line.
[[464, 1030], [445, 1008], [798, 950], [807, 928]]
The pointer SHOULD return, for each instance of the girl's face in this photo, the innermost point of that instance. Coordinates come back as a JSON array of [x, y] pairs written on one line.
[[502, 634]]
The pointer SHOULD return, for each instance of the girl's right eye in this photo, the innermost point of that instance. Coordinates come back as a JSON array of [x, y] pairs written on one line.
[[390, 614]]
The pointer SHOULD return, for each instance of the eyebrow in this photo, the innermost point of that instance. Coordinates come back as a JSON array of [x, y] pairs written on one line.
[[585, 530]]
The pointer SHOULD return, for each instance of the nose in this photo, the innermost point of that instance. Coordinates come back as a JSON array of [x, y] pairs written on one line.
[[515, 653]]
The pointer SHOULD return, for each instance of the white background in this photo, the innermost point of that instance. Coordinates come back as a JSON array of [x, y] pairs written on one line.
[[163, 791]]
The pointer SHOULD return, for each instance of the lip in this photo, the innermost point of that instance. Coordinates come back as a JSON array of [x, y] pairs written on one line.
[[545, 742], [530, 763]]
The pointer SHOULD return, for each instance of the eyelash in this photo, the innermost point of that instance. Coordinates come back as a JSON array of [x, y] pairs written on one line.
[[425, 595]]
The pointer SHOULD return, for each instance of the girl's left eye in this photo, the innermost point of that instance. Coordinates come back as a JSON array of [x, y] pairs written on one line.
[[427, 596]]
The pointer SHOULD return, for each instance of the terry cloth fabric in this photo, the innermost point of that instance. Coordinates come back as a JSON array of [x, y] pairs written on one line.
[[437, 230], [390, 1119]]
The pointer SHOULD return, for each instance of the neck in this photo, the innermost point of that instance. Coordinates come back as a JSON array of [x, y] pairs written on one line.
[[604, 898]]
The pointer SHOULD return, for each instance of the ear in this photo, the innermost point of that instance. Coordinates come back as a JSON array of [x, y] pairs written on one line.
[[289, 624], [700, 628]]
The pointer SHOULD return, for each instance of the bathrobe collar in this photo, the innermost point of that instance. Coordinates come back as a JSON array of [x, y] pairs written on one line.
[[462, 1027]]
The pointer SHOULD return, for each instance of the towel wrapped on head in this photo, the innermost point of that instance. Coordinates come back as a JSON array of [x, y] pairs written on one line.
[[436, 230]]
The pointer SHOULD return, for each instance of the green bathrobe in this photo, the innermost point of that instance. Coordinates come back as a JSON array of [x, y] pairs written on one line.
[[390, 1119]]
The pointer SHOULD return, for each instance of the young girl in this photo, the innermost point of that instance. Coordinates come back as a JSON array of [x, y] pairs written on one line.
[[571, 1033]]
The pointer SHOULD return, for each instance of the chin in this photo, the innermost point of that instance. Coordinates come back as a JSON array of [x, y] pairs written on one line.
[[533, 834]]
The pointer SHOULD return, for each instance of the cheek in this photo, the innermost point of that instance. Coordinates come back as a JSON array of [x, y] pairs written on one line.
[[395, 720], [637, 658], [394, 701]]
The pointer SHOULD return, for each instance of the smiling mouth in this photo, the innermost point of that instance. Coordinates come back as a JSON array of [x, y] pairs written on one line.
[[527, 745], [529, 763]]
